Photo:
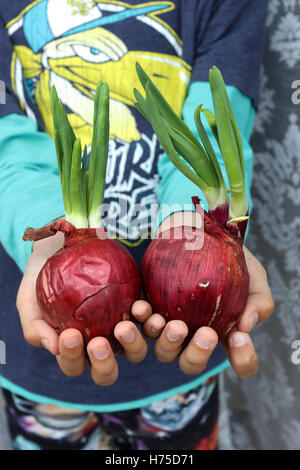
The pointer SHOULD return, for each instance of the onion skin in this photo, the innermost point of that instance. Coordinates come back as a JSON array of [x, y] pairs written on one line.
[[202, 287], [90, 284]]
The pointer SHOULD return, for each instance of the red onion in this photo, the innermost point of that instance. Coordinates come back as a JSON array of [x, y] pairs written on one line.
[[202, 287], [208, 285], [90, 284]]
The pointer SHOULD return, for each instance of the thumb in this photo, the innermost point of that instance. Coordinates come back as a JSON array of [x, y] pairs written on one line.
[[36, 330]]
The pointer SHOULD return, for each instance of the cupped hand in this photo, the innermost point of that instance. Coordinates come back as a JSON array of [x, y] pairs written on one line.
[[68, 347], [237, 345]]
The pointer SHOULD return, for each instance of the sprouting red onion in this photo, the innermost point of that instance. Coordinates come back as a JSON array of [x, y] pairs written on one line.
[[90, 284]]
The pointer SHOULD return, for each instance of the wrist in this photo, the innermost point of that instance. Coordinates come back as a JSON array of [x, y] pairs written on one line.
[[48, 246]]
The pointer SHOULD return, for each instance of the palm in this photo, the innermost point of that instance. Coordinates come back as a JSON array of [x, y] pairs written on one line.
[[70, 351]]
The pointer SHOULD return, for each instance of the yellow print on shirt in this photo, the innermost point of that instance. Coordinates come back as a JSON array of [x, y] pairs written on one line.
[[70, 46], [82, 7]]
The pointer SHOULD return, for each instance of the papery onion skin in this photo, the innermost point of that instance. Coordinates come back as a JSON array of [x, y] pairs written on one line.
[[206, 286], [90, 284]]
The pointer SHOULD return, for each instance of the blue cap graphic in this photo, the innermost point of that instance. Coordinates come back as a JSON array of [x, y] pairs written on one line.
[[39, 27]]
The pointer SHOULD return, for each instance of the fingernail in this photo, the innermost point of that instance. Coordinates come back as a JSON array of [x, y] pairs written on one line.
[[155, 330], [173, 335], [253, 321], [238, 339], [142, 318], [71, 342], [203, 342], [100, 352], [128, 337], [45, 343]]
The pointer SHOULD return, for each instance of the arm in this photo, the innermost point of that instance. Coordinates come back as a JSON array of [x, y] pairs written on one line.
[[30, 187], [31, 195], [174, 187], [232, 41], [29, 181]]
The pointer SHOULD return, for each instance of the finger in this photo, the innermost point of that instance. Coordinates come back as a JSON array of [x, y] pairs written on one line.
[[258, 308], [104, 367], [154, 326], [36, 330], [71, 358], [141, 310], [40, 334], [195, 356], [135, 347], [169, 344], [241, 354], [260, 304]]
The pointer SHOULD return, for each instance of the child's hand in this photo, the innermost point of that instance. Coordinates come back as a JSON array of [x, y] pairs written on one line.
[[238, 345], [68, 347]]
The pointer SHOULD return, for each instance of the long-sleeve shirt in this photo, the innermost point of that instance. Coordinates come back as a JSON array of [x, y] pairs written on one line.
[[73, 45]]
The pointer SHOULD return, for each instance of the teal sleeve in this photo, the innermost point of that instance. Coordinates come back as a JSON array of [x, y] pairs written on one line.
[[30, 193], [175, 190]]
